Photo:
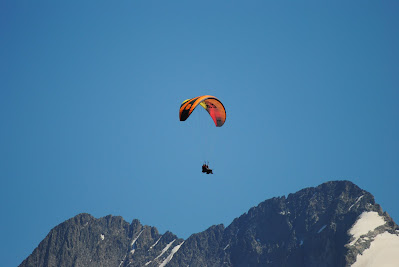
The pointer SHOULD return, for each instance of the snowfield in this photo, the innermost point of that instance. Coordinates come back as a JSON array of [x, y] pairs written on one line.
[[383, 252], [367, 221]]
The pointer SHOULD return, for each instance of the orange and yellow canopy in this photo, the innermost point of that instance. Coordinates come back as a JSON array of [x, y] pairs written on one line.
[[213, 105]]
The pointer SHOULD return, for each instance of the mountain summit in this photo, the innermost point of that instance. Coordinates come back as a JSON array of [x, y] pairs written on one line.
[[334, 224]]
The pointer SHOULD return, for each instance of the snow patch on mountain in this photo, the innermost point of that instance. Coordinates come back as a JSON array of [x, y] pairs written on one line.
[[321, 229], [169, 258], [165, 249], [366, 222], [155, 243], [120, 264], [134, 241], [383, 251], [357, 200]]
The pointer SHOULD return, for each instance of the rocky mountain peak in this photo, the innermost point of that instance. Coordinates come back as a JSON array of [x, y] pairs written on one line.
[[332, 224]]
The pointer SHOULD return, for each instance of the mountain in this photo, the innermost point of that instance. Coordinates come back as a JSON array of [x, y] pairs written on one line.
[[334, 224]]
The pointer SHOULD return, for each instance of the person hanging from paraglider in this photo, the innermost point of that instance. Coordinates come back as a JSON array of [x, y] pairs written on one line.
[[205, 168]]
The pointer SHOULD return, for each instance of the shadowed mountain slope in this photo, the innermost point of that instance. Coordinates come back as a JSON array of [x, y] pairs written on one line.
[[328, 225]]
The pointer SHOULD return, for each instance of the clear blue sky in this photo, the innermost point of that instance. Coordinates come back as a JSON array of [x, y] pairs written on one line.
[[90, 93]]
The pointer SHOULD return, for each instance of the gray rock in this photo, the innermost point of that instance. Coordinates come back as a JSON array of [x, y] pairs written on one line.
[[307, 228]]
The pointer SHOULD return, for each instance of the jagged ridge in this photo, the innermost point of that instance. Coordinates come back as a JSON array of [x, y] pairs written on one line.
[[307, 228]]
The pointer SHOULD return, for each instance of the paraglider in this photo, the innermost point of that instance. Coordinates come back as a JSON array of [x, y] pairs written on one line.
[[210, 103], [213, 106]]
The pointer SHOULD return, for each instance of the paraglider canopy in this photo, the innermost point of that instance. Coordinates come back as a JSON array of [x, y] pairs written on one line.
[[213, 105]]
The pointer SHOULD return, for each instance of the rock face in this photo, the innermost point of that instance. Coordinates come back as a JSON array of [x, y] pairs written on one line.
[[329, 225], [108, 241]]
